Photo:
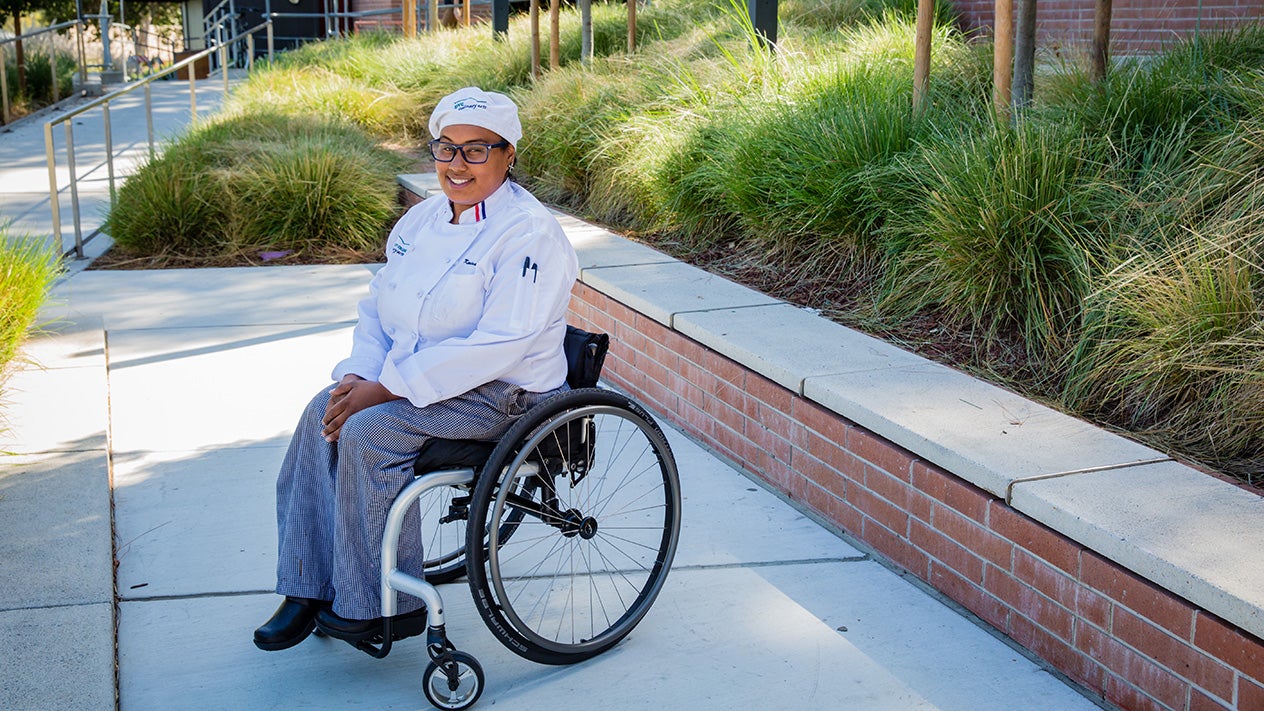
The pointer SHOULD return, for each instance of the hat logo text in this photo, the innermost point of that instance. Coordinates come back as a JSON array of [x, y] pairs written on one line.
[[469, 103]]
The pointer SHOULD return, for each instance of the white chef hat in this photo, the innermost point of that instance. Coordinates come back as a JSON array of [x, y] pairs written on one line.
[[475, 107]]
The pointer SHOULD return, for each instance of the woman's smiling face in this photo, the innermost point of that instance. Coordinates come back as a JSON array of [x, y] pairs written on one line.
[[468, 184]]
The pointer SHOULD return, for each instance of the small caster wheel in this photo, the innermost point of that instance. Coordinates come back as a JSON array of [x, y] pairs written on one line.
[[454, 693]]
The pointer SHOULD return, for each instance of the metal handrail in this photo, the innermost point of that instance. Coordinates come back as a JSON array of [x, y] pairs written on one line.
[[104, 103], [36, 33], [52, 62], [359, 13]]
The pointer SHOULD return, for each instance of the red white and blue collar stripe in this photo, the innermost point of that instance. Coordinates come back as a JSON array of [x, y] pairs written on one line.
[[478, 212]]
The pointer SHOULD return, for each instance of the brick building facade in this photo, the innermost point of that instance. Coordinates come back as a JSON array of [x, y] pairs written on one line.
[[1137, 26]]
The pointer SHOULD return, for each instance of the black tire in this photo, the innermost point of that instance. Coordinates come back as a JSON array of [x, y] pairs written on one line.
[[607, 513], [469, 687]]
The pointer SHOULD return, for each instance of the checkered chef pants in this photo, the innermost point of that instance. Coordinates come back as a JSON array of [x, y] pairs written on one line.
[[332, 498]]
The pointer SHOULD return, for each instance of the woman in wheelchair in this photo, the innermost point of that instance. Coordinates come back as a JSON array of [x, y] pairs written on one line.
[[460, 334]]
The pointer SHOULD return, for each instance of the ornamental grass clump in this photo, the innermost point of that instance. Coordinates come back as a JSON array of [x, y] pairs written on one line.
[[1173, 348], [790, 171], [995, 229], [302, 91], [575, 108], [259, 181], [172, 205], [312, 196], [27, 271], [1228, 179]]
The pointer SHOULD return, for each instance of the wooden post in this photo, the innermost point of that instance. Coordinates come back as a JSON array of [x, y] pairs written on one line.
[[20, 52], [1002, 55], [1101, 41], [535, 38], [631, 26], [921, 51], [410, 17], [555, 46]]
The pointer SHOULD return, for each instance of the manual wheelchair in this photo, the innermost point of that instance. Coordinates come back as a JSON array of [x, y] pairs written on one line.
[[566, 528]]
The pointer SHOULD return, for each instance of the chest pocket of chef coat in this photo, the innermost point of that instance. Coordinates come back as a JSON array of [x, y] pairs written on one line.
[[455, 305]]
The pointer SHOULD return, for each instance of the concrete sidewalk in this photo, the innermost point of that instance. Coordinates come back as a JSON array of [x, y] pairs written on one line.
[[159, 404]]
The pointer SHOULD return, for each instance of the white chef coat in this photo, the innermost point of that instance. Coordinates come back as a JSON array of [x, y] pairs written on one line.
[[457, 306]]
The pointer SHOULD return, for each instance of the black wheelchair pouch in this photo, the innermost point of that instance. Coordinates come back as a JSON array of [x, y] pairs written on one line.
[[585, 354]]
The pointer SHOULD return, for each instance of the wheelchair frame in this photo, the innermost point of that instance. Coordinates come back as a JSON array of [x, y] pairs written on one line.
[[556, 441]]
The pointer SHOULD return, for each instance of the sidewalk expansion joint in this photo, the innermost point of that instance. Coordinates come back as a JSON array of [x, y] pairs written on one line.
[[58, 606], [775, 563], [196, 596], [736, 307]]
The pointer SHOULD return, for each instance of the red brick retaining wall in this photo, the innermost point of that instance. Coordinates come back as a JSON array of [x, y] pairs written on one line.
[[1137, 26], [1136, 644]]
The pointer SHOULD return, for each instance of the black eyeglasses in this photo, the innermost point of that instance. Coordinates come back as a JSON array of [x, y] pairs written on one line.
[[445, 152]]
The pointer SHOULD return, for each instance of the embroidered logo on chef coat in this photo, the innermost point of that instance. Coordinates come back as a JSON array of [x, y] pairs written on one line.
[[400, 247]]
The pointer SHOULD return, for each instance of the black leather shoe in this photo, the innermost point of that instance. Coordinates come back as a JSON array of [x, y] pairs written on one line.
[[290, 624], [409, 624]]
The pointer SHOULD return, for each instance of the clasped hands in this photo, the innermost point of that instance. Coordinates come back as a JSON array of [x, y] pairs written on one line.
[[351, 395]]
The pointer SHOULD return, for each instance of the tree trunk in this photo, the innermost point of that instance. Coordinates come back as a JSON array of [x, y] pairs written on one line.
[[1002, 55], [921, 51], [535, 38], [631, 26], [1024, 54], [1101, 41], [585, 32], [20, 52], [555, 47]]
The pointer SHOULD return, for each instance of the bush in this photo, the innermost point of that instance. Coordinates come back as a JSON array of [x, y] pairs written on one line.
[[39, 83]]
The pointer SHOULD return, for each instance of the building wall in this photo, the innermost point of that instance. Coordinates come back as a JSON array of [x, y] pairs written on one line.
[[1137, 26]]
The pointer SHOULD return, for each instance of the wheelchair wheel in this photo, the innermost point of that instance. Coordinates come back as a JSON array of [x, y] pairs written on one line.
[[442, 534], [458, 691], [444, 519], [587, 486]]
